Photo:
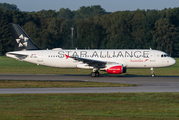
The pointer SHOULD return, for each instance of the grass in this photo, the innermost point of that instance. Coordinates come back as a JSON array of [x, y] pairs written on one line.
[[53, 84], [113, 106], [132, 106], [12, 66]]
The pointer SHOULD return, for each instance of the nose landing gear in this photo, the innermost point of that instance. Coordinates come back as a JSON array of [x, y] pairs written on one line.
[[152, 72]]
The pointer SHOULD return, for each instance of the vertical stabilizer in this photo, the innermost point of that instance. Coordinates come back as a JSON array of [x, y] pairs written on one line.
[[21, 40]]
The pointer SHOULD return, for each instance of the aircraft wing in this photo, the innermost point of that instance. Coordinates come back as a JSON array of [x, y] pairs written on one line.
[[90, 62]]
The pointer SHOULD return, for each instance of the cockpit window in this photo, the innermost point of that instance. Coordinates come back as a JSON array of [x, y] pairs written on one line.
[[164, 55]]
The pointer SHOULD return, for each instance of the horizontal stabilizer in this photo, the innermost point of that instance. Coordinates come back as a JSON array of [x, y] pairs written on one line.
[[16, 55]]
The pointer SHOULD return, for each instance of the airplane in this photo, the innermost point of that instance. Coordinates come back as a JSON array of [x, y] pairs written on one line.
[[113, 61]]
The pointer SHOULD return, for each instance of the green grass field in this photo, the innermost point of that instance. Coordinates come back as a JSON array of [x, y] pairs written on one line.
[[117, 106], [12, 66], [57, 84], [114, 106]]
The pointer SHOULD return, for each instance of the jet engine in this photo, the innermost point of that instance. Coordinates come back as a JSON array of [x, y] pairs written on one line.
[[116, 69]]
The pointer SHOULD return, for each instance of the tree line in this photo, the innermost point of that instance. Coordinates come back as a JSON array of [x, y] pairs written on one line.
[[94, 28]]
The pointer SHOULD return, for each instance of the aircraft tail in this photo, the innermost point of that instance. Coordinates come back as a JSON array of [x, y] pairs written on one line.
[[21, 40]]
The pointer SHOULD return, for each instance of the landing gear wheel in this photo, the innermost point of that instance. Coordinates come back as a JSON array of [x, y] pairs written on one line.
[[153, 75], [93, 74], [97, 74]]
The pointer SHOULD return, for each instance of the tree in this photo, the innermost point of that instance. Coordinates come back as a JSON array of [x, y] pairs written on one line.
[[118, 27], [90, 34], [138, 33], [18, 17], [33, 31], [8, 6], [148, 24], [65, 13], [47, 14], [57, 29], [6, 43], [89, 11], [164, 35]]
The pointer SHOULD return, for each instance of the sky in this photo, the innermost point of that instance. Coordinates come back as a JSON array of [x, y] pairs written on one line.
[[108, 5]]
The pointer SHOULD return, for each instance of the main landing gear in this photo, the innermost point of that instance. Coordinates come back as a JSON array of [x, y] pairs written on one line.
[[95, 73], [152, 72]]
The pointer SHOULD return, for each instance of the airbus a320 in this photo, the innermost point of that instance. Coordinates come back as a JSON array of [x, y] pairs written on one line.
[[113, 61]]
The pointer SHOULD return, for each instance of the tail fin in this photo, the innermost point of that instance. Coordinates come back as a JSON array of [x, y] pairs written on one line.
[[21, 40]]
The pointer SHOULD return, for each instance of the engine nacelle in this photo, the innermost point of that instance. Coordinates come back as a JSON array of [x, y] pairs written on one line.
[[117, 69]]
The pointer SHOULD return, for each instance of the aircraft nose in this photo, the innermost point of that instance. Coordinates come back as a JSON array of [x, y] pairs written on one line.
[[172, 61]]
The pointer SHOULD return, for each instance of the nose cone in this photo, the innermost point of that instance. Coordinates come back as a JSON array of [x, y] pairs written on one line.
[[172, 61]]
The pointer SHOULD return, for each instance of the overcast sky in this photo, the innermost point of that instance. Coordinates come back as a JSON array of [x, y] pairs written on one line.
[[108, 5]]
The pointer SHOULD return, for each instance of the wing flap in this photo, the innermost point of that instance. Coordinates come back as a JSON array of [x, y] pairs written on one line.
[[90, 62]]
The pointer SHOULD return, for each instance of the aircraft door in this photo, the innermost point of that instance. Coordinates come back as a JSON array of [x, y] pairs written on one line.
[[152, 56], [40, 58]]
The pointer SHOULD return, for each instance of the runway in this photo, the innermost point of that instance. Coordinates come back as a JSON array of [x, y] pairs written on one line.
[[147, 84]]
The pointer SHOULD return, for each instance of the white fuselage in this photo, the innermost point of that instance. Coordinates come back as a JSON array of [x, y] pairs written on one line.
[[130, 58]]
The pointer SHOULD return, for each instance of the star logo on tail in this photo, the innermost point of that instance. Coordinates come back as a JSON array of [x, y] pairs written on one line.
[[22, 41]]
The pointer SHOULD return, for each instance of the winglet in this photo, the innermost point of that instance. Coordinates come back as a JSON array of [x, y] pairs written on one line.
[[67, 56]]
